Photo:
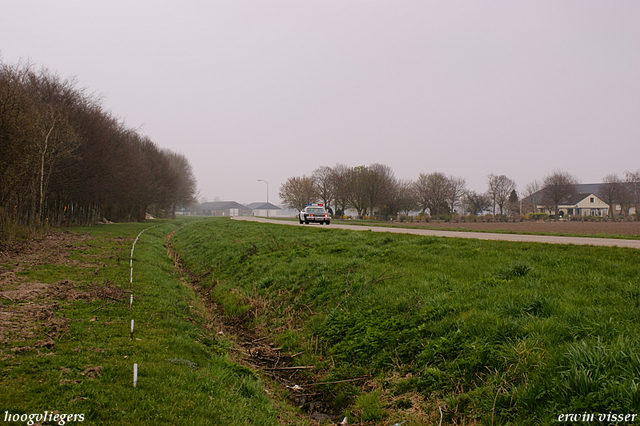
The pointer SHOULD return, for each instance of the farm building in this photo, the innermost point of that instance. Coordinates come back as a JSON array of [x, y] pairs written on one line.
[[224, 208], [265, 209]]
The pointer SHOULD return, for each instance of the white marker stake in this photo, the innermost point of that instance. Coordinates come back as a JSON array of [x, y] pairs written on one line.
[[131, 329], [135, 375], [131, 278], [131, 303]]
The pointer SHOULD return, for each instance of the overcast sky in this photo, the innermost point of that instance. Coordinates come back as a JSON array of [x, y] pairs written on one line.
[[252, 90]]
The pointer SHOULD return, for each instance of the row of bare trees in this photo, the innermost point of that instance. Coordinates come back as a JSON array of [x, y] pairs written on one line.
[[65, 160], [624, 192], [374, 190]]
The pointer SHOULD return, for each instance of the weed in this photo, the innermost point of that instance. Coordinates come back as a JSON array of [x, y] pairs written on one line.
[[369, 407]]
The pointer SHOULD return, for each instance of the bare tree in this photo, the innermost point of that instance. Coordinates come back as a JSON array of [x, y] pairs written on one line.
[[379, 179], [611, 191], [457, 189], [433, 191], [297, 192], [475, 203], [17, 130], [499, 189], [421, 189], [403, 197], [357, 189], [532, 194], [633, 182], [186, 188], [324, 181], [340, 181], [400, 197], [57, 140], [557, 187]]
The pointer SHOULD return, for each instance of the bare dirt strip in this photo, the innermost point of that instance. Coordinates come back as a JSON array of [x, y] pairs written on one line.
[[593, 241], [28, 308]]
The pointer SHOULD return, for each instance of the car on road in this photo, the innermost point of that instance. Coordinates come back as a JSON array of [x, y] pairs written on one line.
[[314, 213]]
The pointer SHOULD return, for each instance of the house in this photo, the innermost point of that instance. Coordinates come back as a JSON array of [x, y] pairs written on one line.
[[587, 201], [579, 204], [224, 208], [265, 209]]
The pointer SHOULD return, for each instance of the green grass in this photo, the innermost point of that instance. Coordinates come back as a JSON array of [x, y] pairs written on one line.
[[490, 331], [185, 375]]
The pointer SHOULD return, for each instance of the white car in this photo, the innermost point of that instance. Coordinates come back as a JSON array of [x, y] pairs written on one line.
[[314, 213]]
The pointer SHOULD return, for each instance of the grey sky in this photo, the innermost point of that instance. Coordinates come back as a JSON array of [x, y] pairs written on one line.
[[253, 90]]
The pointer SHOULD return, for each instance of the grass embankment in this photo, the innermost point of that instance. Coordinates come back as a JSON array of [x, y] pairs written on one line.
[[489, 332], [77, 357]]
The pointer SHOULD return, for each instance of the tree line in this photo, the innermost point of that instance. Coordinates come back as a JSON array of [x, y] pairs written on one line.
[[375, 191], [622, 191], [64, 160]]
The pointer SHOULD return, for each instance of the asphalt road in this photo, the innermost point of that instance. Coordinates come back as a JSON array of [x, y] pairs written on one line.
[[609, 242]]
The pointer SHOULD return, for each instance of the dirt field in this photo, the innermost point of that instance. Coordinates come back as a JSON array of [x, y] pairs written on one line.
[[27, 308], [586, 228]]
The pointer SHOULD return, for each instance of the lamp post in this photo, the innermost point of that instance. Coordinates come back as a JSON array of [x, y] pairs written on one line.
[[261, 180]]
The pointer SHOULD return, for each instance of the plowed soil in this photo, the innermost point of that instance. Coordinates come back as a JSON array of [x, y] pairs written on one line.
[[560, 227]]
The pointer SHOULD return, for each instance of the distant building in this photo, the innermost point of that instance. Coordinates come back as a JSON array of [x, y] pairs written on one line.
[[586, 201], [581, 204], [224, 208], [265, 209], [184, 211]]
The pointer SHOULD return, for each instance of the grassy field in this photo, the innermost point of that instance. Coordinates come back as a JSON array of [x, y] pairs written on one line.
[[65, 345], [484, 332]]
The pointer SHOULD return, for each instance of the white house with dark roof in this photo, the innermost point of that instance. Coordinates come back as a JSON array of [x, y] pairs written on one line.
[[582, 204], [587, 201]]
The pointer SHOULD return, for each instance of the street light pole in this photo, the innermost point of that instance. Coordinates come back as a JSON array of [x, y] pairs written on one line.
[[261, 180]]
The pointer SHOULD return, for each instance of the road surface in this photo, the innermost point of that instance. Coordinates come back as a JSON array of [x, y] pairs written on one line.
[[609, 242]]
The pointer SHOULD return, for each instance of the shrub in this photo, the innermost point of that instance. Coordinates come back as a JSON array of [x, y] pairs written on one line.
[[501, 218], [537, 216]]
